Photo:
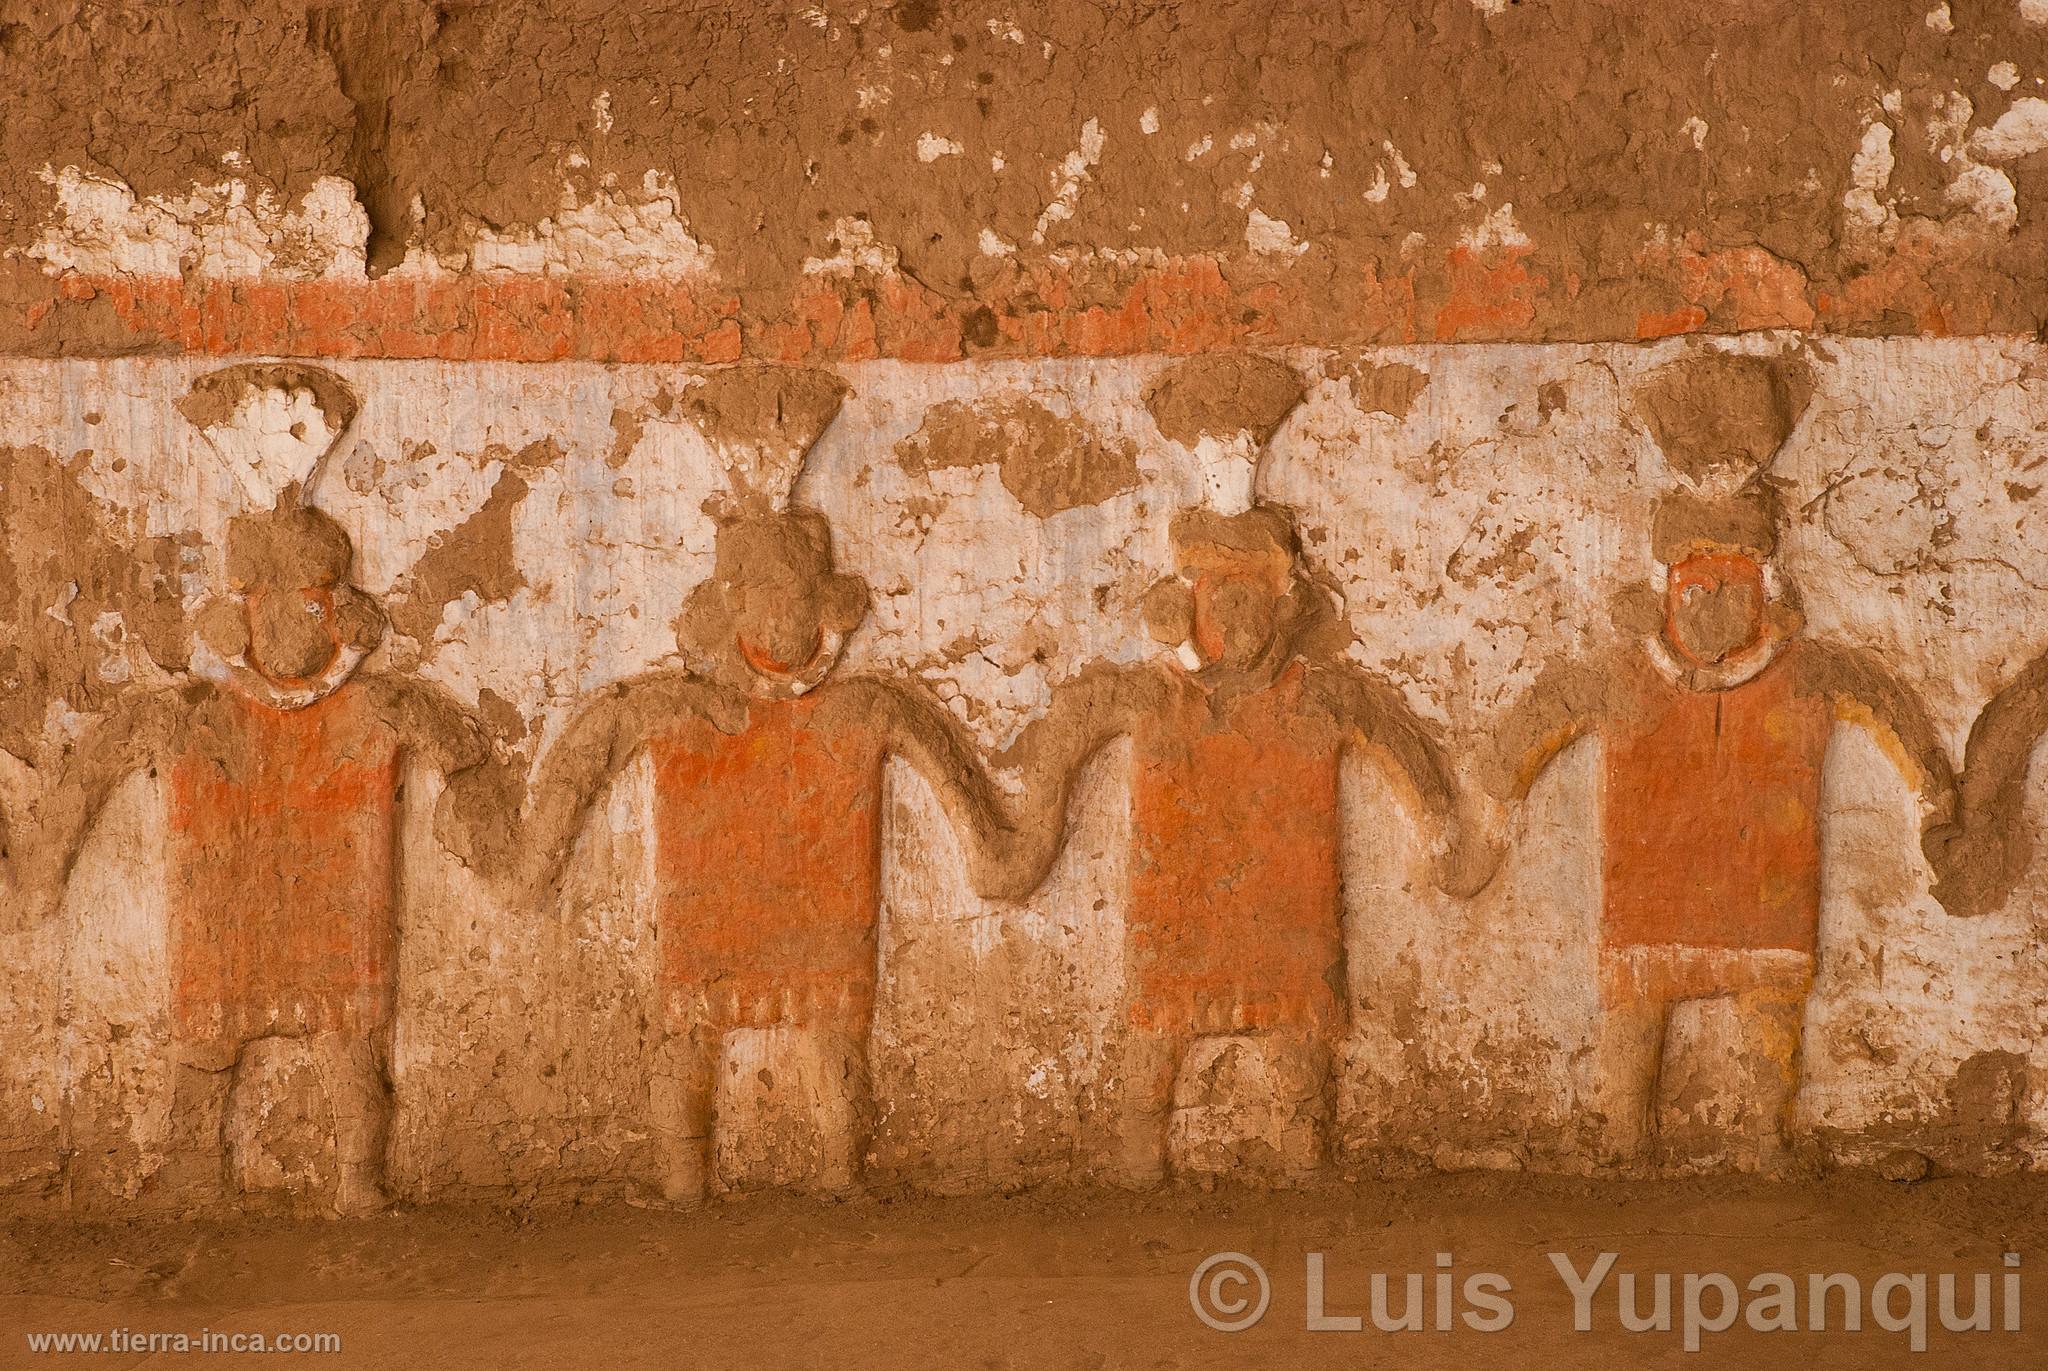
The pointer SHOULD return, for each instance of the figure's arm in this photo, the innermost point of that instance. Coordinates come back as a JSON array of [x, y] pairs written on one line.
[[1981, 852], [134, 735], [919, 730], [1864, 691], [1088, 712], [1568, 701], [480, 794], [1465, 857], [432, 724], [601, 739]]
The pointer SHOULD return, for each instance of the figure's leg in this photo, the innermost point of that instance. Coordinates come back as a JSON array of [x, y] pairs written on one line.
[[358, 1088], [1627, 1060], [1145, 1106], [844, 1051], [1771, 1023], [1300, 1065], [195, 1167], [679, 1108]]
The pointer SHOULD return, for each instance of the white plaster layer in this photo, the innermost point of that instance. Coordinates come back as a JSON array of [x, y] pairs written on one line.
[[1475, 539]]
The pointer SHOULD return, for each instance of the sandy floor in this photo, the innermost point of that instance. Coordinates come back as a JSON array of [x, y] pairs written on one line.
[[1069, 1280]]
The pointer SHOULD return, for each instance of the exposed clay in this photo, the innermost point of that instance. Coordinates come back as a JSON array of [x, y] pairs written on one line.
[[474, 558], [1237, 740], [1222, 397], [1986, 1101], [764, 419], [763, 752], [213, 398], [285, 773], [1714, 733], [1049, 463], [1686, 523], [68, 560], [1389, 388], [1713, 410], [779, 407], [1235, 766], [989, 176], [772, 580], [768, 625], [1193, 987], [1982, 855]]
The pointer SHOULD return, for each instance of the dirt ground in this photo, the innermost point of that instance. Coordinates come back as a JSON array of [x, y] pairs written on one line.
[[1055, 1280]]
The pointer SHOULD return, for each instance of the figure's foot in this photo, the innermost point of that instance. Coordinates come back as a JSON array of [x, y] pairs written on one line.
[[1304, 1168], [1623, 1151], [1778, 1160], [686, 1183], [1140, 1166], [357, 1197], [188, 1182]]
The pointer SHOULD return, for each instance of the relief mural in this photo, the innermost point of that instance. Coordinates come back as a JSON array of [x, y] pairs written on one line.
[[796, 681], [1715, 727]]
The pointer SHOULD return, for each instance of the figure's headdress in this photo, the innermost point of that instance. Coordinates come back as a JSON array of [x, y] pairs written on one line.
[[1720, 416], [1719, 419], [1746, 522], [274, 424], [762, 421], [1223, 409]]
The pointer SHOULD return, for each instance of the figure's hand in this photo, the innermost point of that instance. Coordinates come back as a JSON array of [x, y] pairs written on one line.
[[1465, 859], [25, 903], [477, 820], [1974, 871]]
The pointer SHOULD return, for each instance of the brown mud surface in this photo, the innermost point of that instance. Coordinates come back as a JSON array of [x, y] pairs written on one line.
[[1068, 1279], [1039, 177]]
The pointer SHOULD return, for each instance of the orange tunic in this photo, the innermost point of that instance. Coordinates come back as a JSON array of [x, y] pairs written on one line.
[[1709, 815], [768, 868], [282, 872], [1236, 897]]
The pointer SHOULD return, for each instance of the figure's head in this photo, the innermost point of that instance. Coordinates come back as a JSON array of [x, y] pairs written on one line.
[[1240, 602], [774, 616], [291, 612], [1714, 606], [1720, 596], [291, 628]]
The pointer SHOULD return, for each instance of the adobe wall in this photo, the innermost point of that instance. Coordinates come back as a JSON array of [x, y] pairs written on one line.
[[638, 601]]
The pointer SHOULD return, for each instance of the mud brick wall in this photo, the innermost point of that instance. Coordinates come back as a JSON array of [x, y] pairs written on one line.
[[657, 600]]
